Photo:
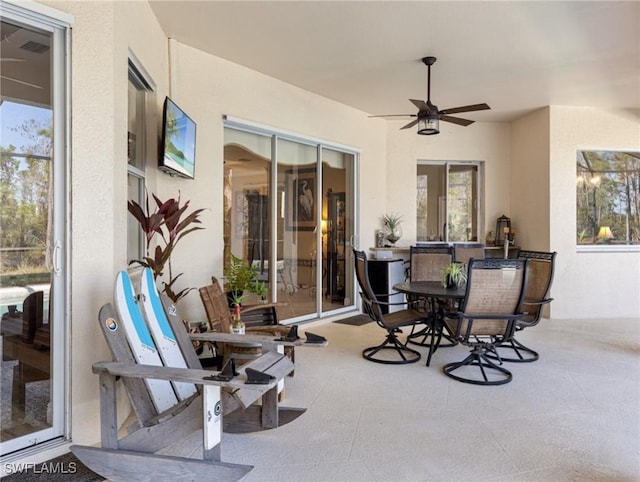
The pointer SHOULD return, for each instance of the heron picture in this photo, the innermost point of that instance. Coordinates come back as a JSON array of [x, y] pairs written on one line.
[[301, 200]]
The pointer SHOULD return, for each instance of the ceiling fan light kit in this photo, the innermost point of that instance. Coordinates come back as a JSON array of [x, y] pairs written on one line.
[[428, 117], [428, 126]]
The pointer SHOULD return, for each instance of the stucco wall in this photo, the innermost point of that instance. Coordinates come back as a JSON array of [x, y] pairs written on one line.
[[529, 179], [588, 285], [103, 33], [207, 88], [482, 141]]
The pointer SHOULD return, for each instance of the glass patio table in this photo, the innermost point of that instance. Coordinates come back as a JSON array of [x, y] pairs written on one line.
[[436, 296]]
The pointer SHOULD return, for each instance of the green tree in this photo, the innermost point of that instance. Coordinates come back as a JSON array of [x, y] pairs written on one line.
[[25, 194]]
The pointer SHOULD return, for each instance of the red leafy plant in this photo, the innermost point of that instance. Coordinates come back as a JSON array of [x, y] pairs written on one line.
[[168, 223]]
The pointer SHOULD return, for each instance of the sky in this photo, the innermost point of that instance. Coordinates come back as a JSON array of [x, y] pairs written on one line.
[[12, 115]]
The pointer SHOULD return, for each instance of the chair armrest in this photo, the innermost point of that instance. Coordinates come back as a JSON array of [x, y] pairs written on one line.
[[187, 375], [537, 303], [247, 338], [387, 303]]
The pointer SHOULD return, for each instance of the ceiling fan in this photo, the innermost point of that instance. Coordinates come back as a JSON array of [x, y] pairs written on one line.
[[428, 115]]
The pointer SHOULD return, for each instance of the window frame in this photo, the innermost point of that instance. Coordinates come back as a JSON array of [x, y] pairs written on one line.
[[444, 208], [581, 181], [140, 79]]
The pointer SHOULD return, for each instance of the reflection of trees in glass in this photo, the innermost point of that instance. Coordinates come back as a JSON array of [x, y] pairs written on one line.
[[25, 197], [422, 208], [459, 205], [608, 194]]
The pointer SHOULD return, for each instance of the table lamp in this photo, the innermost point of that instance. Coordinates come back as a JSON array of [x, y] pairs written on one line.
[[604, 234]]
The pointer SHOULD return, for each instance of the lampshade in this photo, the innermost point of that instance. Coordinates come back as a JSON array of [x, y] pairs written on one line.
[[605, 233], [429, 125]]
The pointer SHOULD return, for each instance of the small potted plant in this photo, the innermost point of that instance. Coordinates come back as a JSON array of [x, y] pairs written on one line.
[[391, 223], [260, 288], [454, 275], [238, 277]]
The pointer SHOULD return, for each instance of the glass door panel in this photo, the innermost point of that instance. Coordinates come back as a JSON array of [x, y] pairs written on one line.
[[462, 198], [32, 166], [297, 224], [247, 168], [337, 229], [431, 202], [447, 202]]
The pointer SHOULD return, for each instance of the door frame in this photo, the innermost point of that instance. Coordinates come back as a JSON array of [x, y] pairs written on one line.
[[58, 24], [278, 134]]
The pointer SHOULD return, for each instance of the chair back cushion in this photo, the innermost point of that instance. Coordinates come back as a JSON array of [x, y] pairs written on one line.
[[427, 262], [539, 279], [362, 274], [463, 252], [494, 287]]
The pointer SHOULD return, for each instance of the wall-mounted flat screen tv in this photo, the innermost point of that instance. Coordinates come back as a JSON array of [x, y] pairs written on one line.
[[178, 148]]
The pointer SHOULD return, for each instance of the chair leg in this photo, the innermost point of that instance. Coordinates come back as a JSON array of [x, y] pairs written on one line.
[[433, 330], [478, 357], [524, 353], [391, 342], [431, 336]]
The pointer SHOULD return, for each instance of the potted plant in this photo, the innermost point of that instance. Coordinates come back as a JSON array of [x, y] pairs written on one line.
[[454, 275], [260, 288], [238, 277], [168, 223], [391, 223]]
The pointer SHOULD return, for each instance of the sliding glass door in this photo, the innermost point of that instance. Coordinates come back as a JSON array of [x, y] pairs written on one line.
[[32, 229], [288, 211], [337, 228], [298, 176]]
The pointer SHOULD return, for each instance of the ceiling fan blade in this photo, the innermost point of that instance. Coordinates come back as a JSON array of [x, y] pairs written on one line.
[[394, 115], [456, 120], [21, 82], [466, 108], [420, 104], [410, 124]]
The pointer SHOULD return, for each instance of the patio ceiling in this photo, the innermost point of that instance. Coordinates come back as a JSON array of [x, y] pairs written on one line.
[[515, 56]]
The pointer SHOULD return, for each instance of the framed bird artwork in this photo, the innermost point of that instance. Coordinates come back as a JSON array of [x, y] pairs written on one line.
[[300, 199]]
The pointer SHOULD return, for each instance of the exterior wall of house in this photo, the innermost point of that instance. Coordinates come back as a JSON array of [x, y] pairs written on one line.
[[482, 141], [588, 285], [208, 88], [529, 179], [104, 35], [543, 196]]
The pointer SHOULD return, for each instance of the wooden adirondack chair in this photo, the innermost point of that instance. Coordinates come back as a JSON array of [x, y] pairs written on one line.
[[259, 319], [153, 450]]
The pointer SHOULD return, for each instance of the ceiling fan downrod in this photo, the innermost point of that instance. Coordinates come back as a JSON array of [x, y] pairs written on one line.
[[429, 61]]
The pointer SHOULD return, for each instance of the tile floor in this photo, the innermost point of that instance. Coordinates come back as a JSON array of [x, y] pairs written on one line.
[[572, 416]]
